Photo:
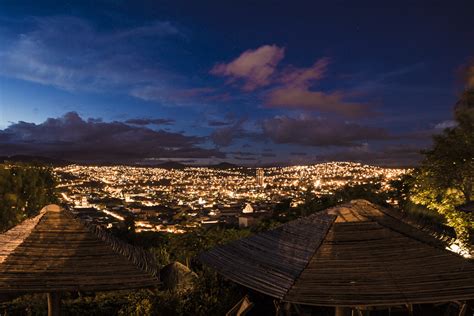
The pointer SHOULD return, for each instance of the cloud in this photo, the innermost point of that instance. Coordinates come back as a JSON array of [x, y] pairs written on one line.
[[298, 154], [390, 81], [71, 54], [295, 93], [303, 77], [216, 120], [72, 138], [267, 155], [292, 87], [174, 96], [316, 131], [153, 29], [217, 123], [254, 67], [242, 153], [245, 158], [127, 60], [301, 98], [223, 137], [445, 124], [147, 121]]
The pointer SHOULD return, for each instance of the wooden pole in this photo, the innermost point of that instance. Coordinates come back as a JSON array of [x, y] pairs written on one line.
[[463, 310], [54, 304], [342, 311], [276, 303]]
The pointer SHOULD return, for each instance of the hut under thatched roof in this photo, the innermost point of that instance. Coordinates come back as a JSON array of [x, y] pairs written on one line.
[[56, 252], [356, 254], [177, 277]]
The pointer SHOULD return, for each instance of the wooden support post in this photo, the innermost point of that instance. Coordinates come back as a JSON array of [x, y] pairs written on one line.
[[360, 311], [54, 304], [277, 305], [463, 310], [342, 311]]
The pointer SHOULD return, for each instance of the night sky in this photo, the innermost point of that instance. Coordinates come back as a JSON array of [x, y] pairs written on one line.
[[247, 82]]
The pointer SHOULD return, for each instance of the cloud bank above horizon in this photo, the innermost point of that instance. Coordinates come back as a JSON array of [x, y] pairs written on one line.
[[116, 84]]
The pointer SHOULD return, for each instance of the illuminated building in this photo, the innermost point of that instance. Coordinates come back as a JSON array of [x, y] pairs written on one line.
[[260, 176]]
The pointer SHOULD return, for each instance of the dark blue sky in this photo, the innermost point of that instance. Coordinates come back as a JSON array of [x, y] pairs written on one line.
[[246, 82]]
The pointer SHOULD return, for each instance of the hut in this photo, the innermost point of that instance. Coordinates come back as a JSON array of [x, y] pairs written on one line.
[[56, 252], [357, 255]]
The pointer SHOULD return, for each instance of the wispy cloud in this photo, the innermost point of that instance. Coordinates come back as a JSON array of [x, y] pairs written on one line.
[[224, 136], [303, 77], [445, 124], [69, 53], [218, 123], [301, 98], [254, 67], [183, 96], [320, 132], [149, 121], [296, 92], [364, 83]]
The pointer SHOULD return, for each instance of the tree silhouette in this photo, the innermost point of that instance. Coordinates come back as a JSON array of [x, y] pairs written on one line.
[[24, 191], [446, 176]]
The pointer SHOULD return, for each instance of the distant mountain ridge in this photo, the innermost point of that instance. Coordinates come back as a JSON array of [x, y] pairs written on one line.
[[223, 165], [61, 162], [179, 165], [165, 165], [170, 165]]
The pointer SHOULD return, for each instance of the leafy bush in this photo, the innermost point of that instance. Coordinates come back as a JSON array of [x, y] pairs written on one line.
[[24, 191]]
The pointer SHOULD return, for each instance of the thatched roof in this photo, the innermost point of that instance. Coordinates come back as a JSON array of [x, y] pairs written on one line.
[[57, 252], [177, 277], [356, 254]]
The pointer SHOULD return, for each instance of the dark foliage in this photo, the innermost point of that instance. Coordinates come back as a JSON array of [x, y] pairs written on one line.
[[24, 191]]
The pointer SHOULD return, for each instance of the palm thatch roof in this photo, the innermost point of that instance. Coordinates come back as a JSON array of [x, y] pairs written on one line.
[[55, 251], [356, 254], [177, 277]]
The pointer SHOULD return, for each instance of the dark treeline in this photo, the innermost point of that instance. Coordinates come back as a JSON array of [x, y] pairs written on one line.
[[24, 190]]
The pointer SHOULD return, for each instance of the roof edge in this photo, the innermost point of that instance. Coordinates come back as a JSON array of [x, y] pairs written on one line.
[[15, 236], [138, 256]]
